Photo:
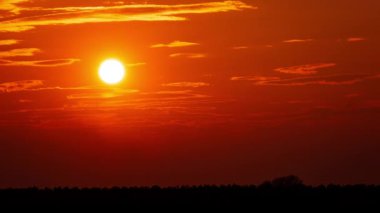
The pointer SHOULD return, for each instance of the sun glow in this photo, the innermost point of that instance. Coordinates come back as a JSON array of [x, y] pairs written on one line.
[[111, 71]]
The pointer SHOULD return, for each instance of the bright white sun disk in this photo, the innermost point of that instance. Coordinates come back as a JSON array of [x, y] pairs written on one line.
[[111, 71]]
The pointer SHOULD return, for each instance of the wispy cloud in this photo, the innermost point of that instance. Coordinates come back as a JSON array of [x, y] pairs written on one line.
[[101, 94], [110, 13], [173, 107], [299, 101], [240, 47], [307, 69], [8, 42], [18, 86], [330, 80], [186, 84], [11, 6], [298, 40], [136, 64], [19, 52], [27, 52], [175, 44], [40, 63], [188, 55], [256, 79], [355, 39]]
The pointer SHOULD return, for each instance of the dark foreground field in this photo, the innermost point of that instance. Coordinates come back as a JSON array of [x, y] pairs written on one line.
[[281, 193]]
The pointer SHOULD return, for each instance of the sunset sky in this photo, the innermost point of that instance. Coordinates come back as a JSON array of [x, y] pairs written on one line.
[[216, 92]]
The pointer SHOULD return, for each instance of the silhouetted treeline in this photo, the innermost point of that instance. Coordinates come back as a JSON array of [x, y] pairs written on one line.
[[281, 193]]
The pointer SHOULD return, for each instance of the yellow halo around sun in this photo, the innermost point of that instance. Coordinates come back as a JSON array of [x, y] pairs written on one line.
[[111, 71]]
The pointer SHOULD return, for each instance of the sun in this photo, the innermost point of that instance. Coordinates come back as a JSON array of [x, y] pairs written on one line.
[[111, 71]]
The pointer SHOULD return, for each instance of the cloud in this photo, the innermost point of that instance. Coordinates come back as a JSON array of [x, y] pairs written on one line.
[[110, 13], [141, 100], [142, 109], [40, 63], [355, 39], [33, 85], [33, 63], [87, 92], [101, 95], [136, 64], [255, 78], [188, 55], [240, 48], [11, 6], [299, 102], [330, 80], [25, 101], [19, 52], [186, 84], [307, 69], [298, 40], [175, 44], [17, 86], [8, 42]]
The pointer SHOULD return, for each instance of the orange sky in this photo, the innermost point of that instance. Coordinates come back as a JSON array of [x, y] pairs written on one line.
[[217, 92]]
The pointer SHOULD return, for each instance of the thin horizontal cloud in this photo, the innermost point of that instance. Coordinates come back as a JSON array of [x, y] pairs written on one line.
[[254, 78], [240, 47], [161, 99], [182, 108], [73, 93], [307, 69], [35, 85], [25, 101], [9, 42], [136, 64], [83, 89], [175, 44], [110, 13], [298, 40], [19, 52], [355, 39], [101, 95], [81, 105], [299, 101], [27, 52], [40, 63], [186, 84], [188, 55], [169, 92], [17, 86], [330, 80]]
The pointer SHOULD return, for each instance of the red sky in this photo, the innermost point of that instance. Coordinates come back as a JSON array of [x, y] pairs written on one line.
[[217, 92]]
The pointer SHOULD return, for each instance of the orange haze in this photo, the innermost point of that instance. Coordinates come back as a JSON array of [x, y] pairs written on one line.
[[217, 92]]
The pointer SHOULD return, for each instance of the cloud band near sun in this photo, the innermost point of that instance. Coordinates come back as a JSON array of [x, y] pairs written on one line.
[[18, 20]]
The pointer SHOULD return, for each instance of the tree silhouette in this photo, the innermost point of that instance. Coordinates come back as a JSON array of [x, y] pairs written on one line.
[[287, 182], [287, 192]]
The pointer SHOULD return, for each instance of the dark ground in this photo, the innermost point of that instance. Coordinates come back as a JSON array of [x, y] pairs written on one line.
[[287, 193]]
